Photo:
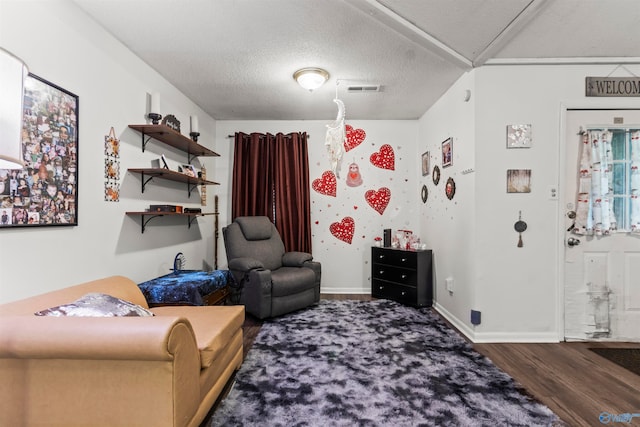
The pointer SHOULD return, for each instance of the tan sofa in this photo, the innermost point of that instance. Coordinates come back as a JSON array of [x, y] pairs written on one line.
[[165, 370]]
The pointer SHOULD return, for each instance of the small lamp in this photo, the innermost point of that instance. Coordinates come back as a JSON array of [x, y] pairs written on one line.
[[311, 78], [13, 71]]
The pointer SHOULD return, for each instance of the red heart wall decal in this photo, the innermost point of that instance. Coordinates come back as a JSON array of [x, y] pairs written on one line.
[[326, 184], [378, 200], [344, 229], [354, 137], [385, 158]]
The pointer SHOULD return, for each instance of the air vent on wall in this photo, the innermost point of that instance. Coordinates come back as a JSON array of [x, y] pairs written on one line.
[[363, 88]]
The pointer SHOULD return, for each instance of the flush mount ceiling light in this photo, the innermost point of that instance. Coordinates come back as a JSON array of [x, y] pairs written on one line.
[[311, 78]]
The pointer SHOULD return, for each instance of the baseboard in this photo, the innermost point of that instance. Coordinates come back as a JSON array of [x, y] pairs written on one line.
[[457, 323], [496, 337], [358, 291]]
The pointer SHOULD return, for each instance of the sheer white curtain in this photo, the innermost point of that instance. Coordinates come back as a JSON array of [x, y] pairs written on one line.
[[635, 182], [594, 210]]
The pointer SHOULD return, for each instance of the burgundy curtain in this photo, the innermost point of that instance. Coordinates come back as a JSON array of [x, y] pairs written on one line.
[[271, 178]]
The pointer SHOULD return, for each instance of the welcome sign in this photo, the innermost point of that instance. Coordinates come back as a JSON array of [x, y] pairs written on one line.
[[613, 86]]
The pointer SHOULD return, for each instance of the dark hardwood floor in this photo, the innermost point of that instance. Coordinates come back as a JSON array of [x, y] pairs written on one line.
[[574, 382]]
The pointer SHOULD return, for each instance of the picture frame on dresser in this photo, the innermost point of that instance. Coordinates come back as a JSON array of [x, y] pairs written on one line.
[[45, 191]]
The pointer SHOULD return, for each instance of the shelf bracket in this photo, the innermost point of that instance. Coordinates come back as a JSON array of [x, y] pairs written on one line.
[[144, 223], [190, 157], [143, 182], [190, 220], [144, 143], [190, 188]]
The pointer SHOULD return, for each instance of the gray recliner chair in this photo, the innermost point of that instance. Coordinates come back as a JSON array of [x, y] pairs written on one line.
[[271, 281]]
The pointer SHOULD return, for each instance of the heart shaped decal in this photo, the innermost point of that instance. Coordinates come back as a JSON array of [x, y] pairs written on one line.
[[326, 184], [344, 229], [385, 158], [378, 200], [354, 137]]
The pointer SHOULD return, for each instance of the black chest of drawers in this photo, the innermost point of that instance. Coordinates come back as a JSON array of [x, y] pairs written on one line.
[[404, 276]]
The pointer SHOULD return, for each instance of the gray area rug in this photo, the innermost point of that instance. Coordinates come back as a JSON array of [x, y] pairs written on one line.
[[371, 363]]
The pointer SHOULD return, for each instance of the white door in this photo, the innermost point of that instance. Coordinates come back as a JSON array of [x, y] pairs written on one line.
[[602, 273]]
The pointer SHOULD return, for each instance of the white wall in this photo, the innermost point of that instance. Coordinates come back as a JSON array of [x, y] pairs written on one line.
[[449, 226], [62, 45], [518, 290], [346, 267]]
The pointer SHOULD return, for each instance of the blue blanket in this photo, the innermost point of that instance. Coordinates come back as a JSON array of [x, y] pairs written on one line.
[[186, 287]]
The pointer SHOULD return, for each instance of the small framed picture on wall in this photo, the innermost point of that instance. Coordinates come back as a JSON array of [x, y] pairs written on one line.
[[519, 136], [425, 164], [447, 152]]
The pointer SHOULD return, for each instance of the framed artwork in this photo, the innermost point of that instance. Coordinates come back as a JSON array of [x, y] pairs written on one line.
[[45, 191], [424, 194], [450, 188], [519, 136], [447, 152], [425, 164], [189, 170], [519, 181], [436, 175]]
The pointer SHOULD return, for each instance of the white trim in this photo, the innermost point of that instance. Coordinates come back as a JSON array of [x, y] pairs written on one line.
[[388, 17], [463, 328], [516, 337], [619, 60], [358, 291]]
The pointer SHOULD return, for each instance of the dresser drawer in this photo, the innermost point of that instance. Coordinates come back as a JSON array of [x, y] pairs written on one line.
[[400, 293], [403, 276], [398, 258]]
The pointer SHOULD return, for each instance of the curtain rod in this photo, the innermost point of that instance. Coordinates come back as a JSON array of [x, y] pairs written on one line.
[[233, 136]]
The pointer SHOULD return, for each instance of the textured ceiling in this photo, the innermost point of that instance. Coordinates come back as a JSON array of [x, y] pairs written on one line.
[[236, 58]]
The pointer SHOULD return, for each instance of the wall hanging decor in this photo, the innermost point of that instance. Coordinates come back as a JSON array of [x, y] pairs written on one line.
[[335, 138], [111, 167], [326, 185], [378, 200], [424, 194], [425, 164], [354, 138], [519, 181], [44, 192], [344, 229], [354, 178], [518, 136], [450, 188], [520, 226], [436, 174], [447, 152], [385, 158]]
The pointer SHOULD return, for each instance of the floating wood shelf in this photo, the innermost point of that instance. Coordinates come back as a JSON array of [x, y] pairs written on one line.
[[191, 216], [169, 175], [173, 138]]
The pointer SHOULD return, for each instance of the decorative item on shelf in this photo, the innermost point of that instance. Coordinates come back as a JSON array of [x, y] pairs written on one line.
[[387, 237], [179, 262], [154, 110], [450, 188], [171, 122], [194, 133], [192, 210], [377, 242], [404, 239], [189, 170], [165, 208], [203, 188], [164, 162]]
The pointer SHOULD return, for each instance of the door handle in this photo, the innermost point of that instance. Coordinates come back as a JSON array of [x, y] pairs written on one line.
[[572, 241]]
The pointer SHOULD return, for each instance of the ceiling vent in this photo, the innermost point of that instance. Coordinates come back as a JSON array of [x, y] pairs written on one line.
[[363, 88]]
